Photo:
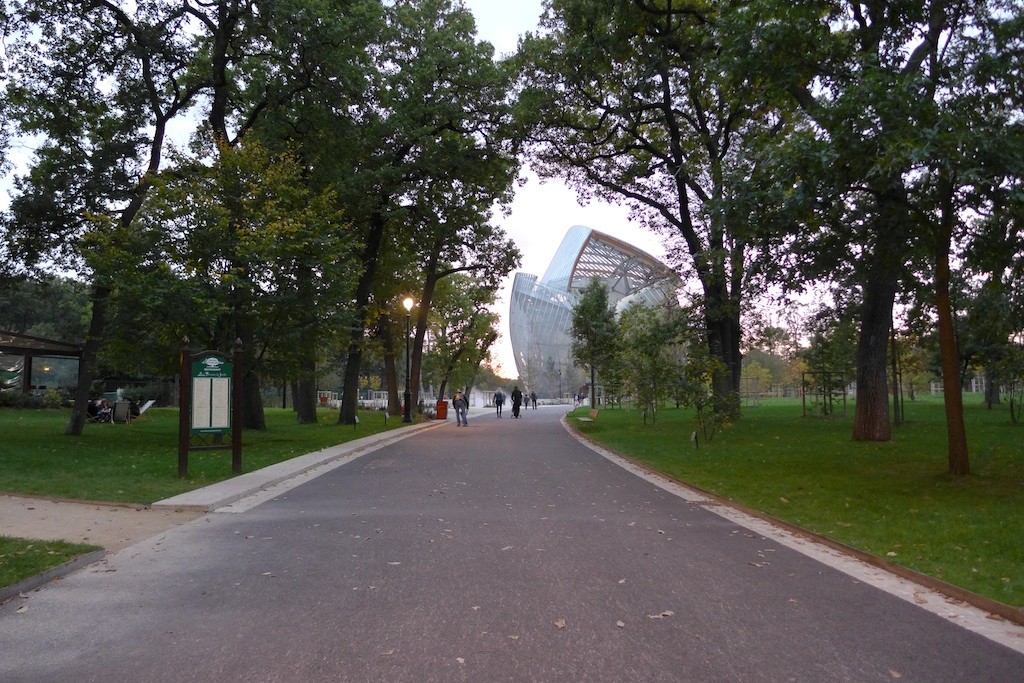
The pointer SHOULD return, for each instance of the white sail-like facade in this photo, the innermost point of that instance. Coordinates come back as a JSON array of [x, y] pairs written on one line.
[[540, 310]]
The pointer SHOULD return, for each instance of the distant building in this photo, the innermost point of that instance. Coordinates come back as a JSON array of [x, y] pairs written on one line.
[[540, 311]]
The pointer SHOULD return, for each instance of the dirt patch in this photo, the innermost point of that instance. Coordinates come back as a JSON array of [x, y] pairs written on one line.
[[110, 526]]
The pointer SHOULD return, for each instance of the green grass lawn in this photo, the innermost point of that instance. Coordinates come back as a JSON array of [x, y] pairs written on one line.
[[893, 499], [134, 463], [138, 462], [890, 499], [21, 558]]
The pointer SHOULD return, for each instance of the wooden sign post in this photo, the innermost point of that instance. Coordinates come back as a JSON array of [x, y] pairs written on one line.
[[210, 404]]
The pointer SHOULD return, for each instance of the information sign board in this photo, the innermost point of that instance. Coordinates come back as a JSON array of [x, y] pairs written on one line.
[[211, 394]]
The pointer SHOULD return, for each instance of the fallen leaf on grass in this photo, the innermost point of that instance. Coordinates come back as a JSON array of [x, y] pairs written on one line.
[[895, 674], [22, 609], [620, 624], [666, 613], [513, 637], [460, 660], [560, 623]]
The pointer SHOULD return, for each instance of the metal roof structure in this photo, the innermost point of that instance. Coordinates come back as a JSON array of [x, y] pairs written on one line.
[[20, 344], [540, 310]]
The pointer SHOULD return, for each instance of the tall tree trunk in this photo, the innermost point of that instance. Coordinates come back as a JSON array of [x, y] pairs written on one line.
[[722, 330], [253, 416], [881, 279], [305, 396], [350, 385], [390, 370], [370, 259], [87, 361], [992, 397], [959, 463], [420, 332], [871, 415]]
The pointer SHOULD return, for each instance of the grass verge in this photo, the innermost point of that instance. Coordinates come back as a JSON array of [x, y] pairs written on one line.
[[134, 463], [22, 558], [894, 500], [138, 462]]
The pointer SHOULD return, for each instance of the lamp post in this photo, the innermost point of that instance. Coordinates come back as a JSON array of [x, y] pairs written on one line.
[[407, 411]]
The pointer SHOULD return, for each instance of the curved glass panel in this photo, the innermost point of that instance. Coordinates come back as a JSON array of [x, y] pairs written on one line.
[[540, 310]]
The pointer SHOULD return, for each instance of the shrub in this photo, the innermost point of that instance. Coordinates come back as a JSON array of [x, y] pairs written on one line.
[[161, 392], [16, 399]]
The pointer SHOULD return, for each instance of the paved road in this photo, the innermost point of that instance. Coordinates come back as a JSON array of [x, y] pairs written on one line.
[[501, 551]]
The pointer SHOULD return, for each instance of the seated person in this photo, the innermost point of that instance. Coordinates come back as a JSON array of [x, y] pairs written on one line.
[[93, 408]]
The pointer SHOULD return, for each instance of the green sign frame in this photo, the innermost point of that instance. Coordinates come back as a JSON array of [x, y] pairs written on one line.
[[211, 412]]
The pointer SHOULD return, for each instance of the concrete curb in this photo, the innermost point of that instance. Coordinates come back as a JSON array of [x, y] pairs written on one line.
[[43, 578], [209, 498], [1008, 612], [214, 496]]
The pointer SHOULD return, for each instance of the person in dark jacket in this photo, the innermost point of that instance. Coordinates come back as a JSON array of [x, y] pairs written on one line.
[[499, 401], [461, 405], [517, 400]]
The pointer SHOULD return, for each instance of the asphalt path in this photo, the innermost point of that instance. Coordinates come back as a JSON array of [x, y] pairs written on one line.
[[505, 550]]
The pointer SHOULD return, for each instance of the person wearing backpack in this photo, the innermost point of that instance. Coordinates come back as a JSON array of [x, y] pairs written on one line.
[[499, 401], [461, 405]]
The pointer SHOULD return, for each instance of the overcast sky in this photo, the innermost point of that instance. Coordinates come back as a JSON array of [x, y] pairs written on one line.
[[542, 212]]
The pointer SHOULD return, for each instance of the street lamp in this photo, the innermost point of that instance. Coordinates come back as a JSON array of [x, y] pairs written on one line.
[[407, 412]]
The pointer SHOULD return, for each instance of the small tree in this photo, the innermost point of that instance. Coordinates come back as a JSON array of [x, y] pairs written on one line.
[[645, 364], [693, 376], [594, 332]]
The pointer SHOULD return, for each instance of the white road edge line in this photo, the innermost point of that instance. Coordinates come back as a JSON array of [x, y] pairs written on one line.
[[966, 616]]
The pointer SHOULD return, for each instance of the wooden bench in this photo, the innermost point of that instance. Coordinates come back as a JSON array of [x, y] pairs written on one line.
[[593, 416]]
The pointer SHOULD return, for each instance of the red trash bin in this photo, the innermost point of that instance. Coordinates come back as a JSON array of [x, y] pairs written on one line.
[[442, 410]]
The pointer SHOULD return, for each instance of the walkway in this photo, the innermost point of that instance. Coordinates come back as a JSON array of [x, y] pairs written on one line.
[[502, 551]]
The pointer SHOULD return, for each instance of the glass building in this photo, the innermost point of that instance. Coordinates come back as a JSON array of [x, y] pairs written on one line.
[[540, 311]]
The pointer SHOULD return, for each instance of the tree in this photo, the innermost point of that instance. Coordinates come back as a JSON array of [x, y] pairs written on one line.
[[633, 102], [644, 360], [199, 253], [462, 328], [430, 147], [53, 307], [98, 86], [594, 332], [456, 238], [891, 94]]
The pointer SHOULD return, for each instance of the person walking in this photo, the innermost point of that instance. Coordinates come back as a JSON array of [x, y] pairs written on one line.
[[499, 401], [517, 400], [533, 399], [461, 405]]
